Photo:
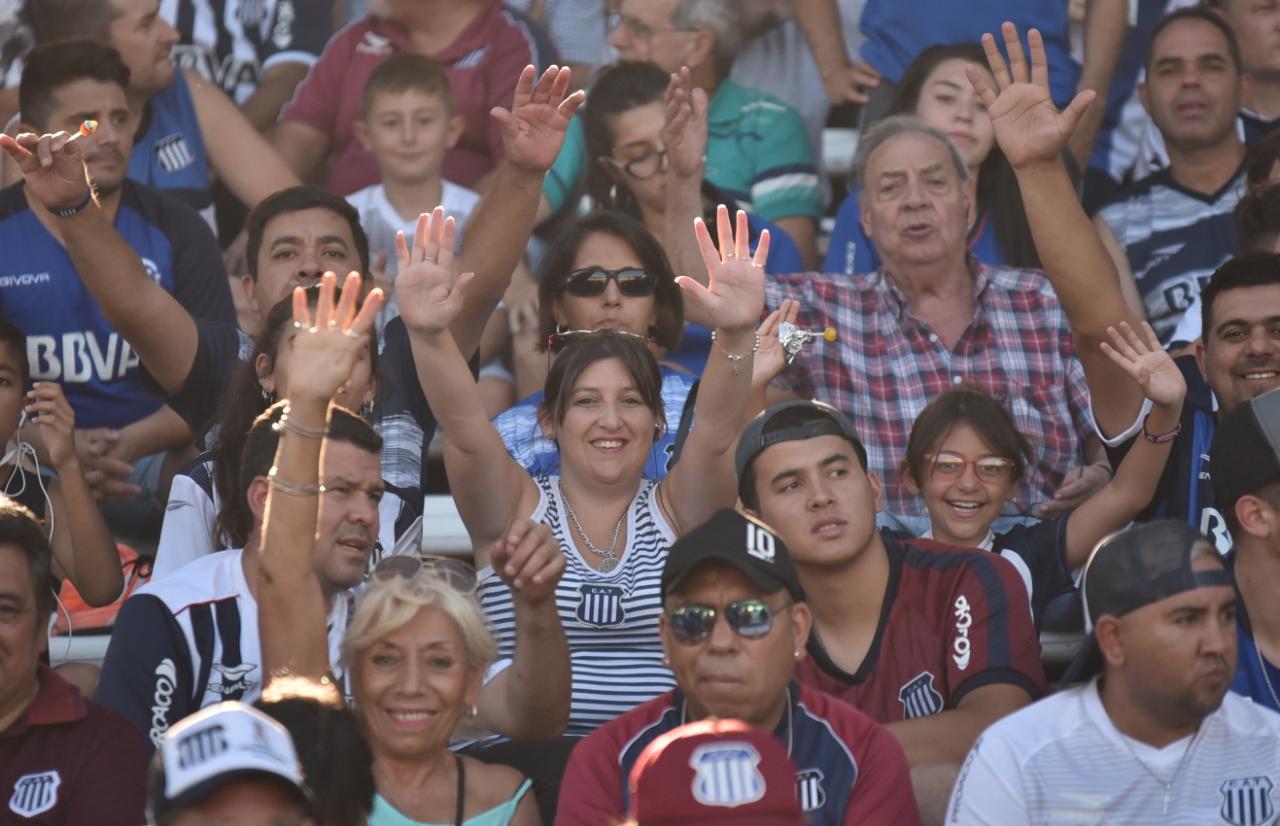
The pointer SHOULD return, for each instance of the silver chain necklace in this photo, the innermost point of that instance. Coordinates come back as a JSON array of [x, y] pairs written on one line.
[[1168, 786], [1262, 664], [609, 556]]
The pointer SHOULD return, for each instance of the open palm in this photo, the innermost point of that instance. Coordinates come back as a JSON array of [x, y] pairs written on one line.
[[733, 298], [1149, 364], [533, 129], [428, 293], [328, 343], [1028, 126]]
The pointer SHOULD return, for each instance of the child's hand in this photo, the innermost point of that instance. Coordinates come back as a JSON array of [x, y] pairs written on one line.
[[1148, 363], [56, 421]]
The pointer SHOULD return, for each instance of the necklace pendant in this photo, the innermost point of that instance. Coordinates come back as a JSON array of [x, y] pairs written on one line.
[[607, 564]]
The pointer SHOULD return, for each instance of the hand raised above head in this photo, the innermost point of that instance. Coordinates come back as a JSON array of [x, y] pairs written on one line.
[[533, 128], [1149, 364], [684, 132], [734, 296], [53, 167], [327, 345], [1028, 126], [427, 291]]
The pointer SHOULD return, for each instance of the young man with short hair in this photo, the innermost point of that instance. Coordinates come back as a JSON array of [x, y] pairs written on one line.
[[934, 642], [1152, 735], [735, 568]]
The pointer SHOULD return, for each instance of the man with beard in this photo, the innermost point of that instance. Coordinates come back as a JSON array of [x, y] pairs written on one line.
[[190, 639], [1170, 230], [1152, 736], [41, 291]]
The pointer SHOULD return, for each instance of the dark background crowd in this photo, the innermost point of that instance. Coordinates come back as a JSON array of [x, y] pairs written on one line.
[[396, 396]]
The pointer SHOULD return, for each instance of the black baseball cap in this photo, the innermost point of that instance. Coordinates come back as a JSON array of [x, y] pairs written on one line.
[[794, 421], [745, 544], [1129, 569], [1246, 450]]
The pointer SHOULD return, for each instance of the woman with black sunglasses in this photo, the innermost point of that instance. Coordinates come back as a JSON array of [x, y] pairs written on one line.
[[603, 410]]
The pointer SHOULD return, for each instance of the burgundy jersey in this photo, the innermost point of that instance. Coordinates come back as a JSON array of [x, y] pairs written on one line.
[[953, 620], [68, 761]]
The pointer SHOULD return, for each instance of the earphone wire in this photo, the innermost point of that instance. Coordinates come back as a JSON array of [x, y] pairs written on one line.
[[23, 450]]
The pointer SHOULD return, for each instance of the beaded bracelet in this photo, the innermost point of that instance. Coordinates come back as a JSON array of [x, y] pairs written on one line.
[[1159, 438], [273, 479], [735, 358]]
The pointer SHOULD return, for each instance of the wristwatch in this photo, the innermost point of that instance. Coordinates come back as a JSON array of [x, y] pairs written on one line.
[[67, 212]]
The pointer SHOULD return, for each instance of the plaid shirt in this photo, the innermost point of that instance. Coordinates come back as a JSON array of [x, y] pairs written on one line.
[[887, 365]]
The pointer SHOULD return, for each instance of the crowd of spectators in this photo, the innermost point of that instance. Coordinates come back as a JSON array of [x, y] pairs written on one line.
[[273, 273]]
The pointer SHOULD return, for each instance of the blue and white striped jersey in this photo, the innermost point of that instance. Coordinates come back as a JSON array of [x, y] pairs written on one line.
[[610, 619], [1174, 238]]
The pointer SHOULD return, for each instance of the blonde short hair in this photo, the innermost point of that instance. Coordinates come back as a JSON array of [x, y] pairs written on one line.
[[389, 604]]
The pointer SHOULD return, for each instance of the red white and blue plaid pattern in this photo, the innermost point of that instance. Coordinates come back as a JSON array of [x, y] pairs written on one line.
[[887, 365]]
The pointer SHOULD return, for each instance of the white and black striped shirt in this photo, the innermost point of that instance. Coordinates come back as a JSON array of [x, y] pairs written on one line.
[[610, 620]]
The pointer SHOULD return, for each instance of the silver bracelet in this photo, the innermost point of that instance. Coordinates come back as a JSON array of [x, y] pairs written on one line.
[[286, 423], [734, 358], [273, 479]]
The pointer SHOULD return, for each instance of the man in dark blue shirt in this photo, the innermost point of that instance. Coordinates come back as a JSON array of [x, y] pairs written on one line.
[[69, 340]]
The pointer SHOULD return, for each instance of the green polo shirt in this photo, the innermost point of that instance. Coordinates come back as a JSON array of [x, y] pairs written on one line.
[[757, 151]]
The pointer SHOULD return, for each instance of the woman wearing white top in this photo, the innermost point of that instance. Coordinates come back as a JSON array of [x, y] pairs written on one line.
[[603, 409]]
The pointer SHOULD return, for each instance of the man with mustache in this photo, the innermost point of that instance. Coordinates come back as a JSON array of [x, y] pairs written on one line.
[[190, 639], [41, 290], [1169, 231], [1151, 736]]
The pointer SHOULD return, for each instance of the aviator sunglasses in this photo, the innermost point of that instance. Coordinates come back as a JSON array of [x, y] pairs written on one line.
[[589, 282], [750, 618], [459, 576]]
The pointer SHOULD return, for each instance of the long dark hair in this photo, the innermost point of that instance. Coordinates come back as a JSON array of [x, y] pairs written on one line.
[[558, 263], [617, 88], [998, 194], [244, 403]]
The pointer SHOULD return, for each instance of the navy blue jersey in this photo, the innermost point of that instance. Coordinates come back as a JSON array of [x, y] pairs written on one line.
[[68, 339], [1039, 554], [848, 769], [1185, 491], [169, 152], [1174, 239]]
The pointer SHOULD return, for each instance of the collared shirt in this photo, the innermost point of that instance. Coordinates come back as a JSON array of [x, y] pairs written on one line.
[[887, 365], [66, 760], [848, 769]]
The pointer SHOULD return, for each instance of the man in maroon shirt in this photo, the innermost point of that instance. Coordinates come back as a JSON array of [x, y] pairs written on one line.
[[934, 642], [63, 759]]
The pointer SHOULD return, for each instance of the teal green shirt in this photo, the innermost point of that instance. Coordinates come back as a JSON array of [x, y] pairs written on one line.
[[384, 814], [758, 152]]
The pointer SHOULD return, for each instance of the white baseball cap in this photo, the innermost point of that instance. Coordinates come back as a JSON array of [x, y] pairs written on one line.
[[215, 745]]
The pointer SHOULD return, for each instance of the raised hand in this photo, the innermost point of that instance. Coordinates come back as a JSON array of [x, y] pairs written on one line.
[[734, 296], [771, 358], [55, 421], [328, 344], [529, 560], [428, 293], [684, 133], [1147, 362], [1028, 127], [53, 166], [533, 128]]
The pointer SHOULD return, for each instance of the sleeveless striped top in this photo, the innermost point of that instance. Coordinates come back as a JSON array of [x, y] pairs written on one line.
[[610, 620]]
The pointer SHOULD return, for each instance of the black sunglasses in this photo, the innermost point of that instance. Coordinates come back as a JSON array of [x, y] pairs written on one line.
[[750, 618], [592, 281]]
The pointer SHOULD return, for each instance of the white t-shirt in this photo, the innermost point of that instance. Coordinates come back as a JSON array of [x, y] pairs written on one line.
[[381, 222], [1062, 761]]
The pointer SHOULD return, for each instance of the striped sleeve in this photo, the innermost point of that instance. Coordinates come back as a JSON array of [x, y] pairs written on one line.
[[786, 184]]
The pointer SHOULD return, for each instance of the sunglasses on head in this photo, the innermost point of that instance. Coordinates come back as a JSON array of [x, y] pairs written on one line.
[[592, 281], [458, 575], [750, 618], [561, 339]]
